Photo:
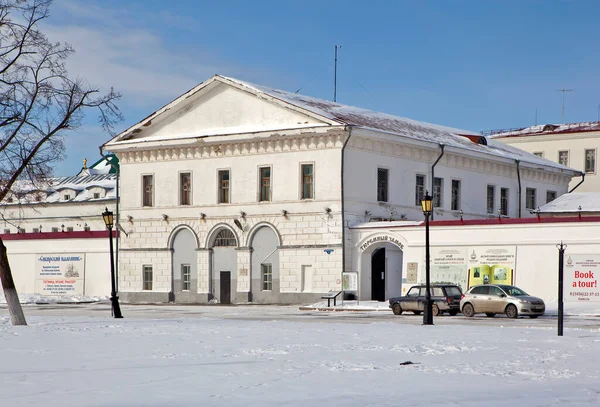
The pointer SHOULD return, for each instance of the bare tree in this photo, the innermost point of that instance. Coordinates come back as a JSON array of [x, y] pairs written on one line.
[[39, 105]]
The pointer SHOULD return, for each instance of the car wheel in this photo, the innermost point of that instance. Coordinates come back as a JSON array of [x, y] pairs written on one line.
[[397, 309], [435, 310], [511, 311], [417, 312], [533, 316], [490, 314], [468, 310], [453, 312]]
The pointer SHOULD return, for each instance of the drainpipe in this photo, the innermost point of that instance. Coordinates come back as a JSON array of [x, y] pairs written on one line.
[[519, 179], [433, 171], [580, 182], [343, 208], [116, 167]]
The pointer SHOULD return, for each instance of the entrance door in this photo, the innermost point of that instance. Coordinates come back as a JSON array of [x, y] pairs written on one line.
[[225, 287], [378, 275]]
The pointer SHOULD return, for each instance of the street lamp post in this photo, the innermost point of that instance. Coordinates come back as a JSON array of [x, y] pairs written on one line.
[[116, 309], [427, 206]]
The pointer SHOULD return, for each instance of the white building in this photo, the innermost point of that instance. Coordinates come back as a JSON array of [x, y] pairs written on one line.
[[236, 192], [574, 145], [55, 236]]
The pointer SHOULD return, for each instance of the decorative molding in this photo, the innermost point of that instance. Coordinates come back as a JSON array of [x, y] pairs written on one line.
[[274, 144], [310, 246]]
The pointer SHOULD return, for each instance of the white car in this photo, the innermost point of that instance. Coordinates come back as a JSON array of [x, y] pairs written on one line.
[[493, 299]]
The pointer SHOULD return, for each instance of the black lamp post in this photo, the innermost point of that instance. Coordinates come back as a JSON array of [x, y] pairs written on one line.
[[427, 206], [116, 310]]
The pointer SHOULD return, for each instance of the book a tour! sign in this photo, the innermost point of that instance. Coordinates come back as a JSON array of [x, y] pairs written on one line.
[[59, 274], [581, 274]]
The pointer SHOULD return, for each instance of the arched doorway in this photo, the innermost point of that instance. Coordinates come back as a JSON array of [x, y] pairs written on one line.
[[265, 287], [224, 266], [380, 272], [184, 271]]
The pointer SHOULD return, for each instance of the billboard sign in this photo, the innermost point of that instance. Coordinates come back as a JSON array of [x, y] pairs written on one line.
[[60, 274], [581, 273]]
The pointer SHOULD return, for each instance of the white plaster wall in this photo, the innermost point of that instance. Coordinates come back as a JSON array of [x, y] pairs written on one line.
[[22, 258], [574, 143], [361, 186], [536, 268]]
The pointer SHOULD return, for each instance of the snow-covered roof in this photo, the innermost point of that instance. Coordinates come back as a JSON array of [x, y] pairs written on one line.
[[543, 129], [575, 202], [338, 114]]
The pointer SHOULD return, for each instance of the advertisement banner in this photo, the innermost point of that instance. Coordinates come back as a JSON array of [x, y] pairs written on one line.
[[580, 277], [449, 265], [60, 274], [350, 281], [491, 265]]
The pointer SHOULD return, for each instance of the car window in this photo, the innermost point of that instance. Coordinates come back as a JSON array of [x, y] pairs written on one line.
[[413, 292], [438, 292], [496, 291], [514, 291], [480, 290], [453, 291], [423, 291]]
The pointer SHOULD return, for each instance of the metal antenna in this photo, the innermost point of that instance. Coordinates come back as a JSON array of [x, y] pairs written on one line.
[[335, 74], [599, 113], [562, 112], [536, 116]]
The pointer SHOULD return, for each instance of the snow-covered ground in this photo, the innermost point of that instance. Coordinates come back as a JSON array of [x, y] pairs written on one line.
[[228, 356]]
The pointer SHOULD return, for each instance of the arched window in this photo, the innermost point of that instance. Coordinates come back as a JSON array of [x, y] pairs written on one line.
[[225, 238]]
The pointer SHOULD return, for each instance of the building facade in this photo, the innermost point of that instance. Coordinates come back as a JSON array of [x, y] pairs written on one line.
[[574, 145], [240, 193]]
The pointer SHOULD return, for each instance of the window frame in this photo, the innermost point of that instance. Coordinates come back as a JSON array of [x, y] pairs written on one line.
[[186, 277], [504, 201], [266, 276], [550, 192], [456, 207], [420, 194], [492, 201], [147, 268], [269, 190], [585, 161], [568, 157], [180, 176], [530, 193], [312, 185], [220, 189], [144, 194], [383, 191], [439, 195]]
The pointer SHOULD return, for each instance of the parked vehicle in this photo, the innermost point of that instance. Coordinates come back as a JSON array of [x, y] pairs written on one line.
[[493, 299], [445, 297]]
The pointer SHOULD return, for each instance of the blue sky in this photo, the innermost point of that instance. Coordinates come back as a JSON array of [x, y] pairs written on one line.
[[475, 65]]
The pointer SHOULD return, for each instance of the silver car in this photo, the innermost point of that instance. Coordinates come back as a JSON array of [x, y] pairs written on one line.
[[493, 299]]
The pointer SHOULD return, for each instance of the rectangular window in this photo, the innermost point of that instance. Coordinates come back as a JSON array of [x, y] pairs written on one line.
[[382, 184], [504, 201], [148, 188], [96, 195], [267, 276], [438, 187], [36, 230], [224, 186], [539, 153], [185, 188], [491, 198], [550, 196], [307, 181], [186, 276], [69, 228], [265, 184], [455, 195], [419, 189], [530, 198], [55, 229], [67, 197], [563, 158], [147, 278], [7, 231], [590, 161]]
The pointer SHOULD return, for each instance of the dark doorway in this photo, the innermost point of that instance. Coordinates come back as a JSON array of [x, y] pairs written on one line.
[[378, 275], [225, 287]]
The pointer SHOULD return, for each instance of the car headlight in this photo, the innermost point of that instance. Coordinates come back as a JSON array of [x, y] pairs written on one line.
[[524, 302]]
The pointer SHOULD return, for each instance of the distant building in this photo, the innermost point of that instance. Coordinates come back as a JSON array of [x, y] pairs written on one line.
[[236, 192], [55, 235], [574, 145]]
